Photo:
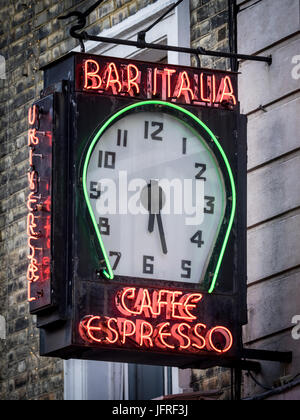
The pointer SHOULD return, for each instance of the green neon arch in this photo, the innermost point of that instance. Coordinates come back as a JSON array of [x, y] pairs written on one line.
[[108, 272]]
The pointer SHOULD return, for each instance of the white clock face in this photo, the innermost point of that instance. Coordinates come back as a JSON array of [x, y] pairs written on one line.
[[158, 196]]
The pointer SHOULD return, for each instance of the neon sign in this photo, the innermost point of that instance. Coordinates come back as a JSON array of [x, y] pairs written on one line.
[[157, 319], [39, 210], [152, 81], [87, 305]]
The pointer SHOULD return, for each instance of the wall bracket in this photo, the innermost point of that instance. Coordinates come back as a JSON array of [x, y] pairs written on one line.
[[141, 39]]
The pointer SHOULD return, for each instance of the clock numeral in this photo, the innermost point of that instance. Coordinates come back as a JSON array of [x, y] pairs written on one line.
[[109, 160], [119, 140], [155, 133], [186, 267], [210, 205], [95, 190], [117, 260], [202, 167], [184, 146], [197, 239], [104, 226], [148, 268]]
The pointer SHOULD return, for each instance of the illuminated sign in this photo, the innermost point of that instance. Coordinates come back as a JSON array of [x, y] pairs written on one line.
[[137, 279], [161, 320], [140, 80], [39, 207]]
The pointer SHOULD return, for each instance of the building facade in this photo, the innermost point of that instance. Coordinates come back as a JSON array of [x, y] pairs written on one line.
[[31, 36]]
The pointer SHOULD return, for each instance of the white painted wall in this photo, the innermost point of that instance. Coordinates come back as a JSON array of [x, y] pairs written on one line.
[[272, 27]]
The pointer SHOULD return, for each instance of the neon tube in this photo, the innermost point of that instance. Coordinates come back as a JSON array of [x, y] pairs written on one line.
[[108, 272]]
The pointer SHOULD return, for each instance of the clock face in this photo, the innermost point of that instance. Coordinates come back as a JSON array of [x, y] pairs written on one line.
[[156, 194]]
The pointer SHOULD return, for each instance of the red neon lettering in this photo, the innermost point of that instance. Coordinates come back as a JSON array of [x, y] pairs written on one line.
[[201, 346], [39, 265], [151, 306], [193, 298], [31, 225], [162, 334], [29, 297], [91, 76], [31, 199], [32, 176], [144, 331], [46, 268], [126, 332], [179, 337], [180, 326], [126, 294], [32, 269], [143, 302], [31, 247], [110, 81], [33, 140], [131, 68], [158, 301], [154, 91], [210, 86], [184, 305], [90, 329], [178, 85], [185, 85], [226, 334], [32, 115], [47, 204], [169, 74], [47, 227], [227, 91], [30, 157], [114, 331], [139, 332]]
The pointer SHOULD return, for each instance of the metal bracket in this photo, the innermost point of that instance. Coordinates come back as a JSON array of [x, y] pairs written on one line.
[[248, 360], [81, 22], [141, 40], [267, 355]]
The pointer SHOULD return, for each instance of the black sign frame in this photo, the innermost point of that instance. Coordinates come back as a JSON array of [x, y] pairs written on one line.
[[75, 264]]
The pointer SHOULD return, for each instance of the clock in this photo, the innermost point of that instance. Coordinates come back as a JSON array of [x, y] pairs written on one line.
[[160, 195]]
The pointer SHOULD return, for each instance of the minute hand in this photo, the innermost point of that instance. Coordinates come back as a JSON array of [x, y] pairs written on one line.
[[161, 234]]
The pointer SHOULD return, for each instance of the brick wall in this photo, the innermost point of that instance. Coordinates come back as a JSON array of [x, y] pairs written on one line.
[[209, 30], [30, 37]]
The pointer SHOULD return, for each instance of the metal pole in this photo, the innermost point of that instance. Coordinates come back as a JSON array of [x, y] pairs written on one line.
[[196, 51]]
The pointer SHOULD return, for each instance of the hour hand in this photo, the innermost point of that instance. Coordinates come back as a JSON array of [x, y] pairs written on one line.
[[152, 193], [151, 222], [155, 204]]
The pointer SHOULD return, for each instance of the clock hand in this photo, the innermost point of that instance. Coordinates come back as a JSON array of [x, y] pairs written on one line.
[[161, 234], [151, 222], [152, 186], [154, 206]]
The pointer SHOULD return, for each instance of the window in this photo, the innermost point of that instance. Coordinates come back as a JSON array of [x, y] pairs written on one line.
[[174, 29]]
